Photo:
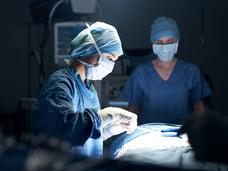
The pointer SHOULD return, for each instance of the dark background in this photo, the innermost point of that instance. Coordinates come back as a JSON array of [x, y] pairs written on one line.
[[133, 18]]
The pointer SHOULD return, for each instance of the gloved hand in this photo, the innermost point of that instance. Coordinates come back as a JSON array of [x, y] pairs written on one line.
[[116, 120]]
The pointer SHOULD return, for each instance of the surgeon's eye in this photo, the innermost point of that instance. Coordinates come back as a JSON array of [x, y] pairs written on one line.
[[165, 42], [111, 57]]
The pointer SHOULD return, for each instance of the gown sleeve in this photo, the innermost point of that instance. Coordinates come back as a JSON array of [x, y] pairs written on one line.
[[56, 113]]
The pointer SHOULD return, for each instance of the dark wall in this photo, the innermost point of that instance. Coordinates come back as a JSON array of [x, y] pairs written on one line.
[[19, 70], [13, 69], [215, 59]]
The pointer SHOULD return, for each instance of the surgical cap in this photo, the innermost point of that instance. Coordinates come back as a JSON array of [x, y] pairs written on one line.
[[104, 35], [164, 27]]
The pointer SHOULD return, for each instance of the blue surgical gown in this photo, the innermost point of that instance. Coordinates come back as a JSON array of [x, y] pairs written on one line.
[[167, 101], [67, 109]]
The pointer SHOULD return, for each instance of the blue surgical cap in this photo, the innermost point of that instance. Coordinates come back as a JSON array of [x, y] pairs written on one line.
[[164, 27], [104, 35]]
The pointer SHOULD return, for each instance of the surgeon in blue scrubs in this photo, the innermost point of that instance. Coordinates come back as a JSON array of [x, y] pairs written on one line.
[[167, 89], [68, 107]]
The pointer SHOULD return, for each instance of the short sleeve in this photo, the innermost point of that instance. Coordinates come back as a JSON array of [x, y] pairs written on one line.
[[132, 91], [200, 88]]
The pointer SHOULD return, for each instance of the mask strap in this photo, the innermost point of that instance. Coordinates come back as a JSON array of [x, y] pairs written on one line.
[[92, 38], [85, 63]]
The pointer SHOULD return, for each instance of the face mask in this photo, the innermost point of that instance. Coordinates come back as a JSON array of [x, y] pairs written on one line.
[[165, 52], [100, 70]]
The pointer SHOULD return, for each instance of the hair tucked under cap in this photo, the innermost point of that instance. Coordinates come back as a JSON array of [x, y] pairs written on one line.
[[164, 27], [105, 36]]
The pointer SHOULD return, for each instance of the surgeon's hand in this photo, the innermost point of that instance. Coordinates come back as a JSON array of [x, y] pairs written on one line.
[[116, 120]]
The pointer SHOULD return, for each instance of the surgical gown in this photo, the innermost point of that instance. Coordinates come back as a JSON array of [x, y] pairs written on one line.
[[67, 109], [167, 101]]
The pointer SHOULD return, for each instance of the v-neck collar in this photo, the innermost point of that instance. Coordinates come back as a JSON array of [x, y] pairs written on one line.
[[172, 75], [87, 83]]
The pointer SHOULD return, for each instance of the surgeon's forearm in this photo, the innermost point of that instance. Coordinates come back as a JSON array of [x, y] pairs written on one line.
[[199, 108], [133, 109]]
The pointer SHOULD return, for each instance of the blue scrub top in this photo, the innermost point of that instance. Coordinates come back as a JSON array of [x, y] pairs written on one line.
[[165, 101], [67, 109]]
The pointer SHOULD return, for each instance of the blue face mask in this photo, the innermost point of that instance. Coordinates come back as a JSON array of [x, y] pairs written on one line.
[[99, 70], [165, 52]]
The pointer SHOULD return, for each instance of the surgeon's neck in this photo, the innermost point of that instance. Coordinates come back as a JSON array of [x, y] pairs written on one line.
[[159, 63], [80, 68]]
